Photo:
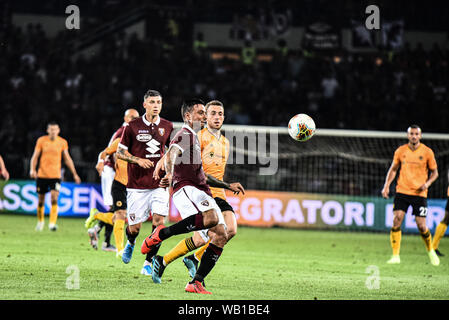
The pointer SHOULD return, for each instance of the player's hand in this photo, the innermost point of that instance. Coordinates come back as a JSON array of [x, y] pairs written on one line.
[[236, 187], [77, 179], [424, 187], [145, 163], [5, 174], [33, 174], [166, 181], [385, 192], [160, 166], [99, 167]]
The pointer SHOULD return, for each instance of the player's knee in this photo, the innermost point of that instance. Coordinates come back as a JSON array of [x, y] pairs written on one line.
[[231, 233], [210, 218], [134, 229], [422, 227], [220, 237], [157, 220], [120, 215]]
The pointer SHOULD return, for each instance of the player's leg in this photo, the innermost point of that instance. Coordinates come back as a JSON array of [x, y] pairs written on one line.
[[420, 213], [197, 210], [54, 195], [396, 236], [441, 230], [138, 212], [209, 258], [119, 230], [40, 211]]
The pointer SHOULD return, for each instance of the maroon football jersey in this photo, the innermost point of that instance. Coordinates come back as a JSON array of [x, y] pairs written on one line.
[[188, 169], [145, 140], [117, 134]]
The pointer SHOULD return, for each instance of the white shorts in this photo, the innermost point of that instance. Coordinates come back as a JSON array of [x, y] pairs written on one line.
[[107, 177], [141, 202], [190, 201]]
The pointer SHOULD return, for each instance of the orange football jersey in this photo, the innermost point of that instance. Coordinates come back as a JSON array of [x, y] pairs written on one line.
[[50, 156]]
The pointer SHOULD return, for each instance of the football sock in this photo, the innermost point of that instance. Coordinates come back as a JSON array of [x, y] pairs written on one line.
[[53, 213], [199, 253], [427, 238], [105, 217], [439, 233], [210, 257], [107, 234], [119, 234], [153, 250], [184, 246], [131, 237], [40, 213], [191, 223], [395, 240]]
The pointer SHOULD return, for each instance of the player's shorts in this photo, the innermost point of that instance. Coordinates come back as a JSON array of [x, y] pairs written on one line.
[[190, 201], [107, 177], [45, 185], [118, 192], [142, 202], [403, 201], [223, 204]]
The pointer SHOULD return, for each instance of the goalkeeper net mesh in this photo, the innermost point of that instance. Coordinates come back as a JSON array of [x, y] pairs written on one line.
[[347, 162]]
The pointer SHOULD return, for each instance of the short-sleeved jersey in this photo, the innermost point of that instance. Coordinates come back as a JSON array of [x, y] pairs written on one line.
[[214, 155], [121, 166], [50, 156], [110, 161], [415, 166], [145, 140], [188, 169]]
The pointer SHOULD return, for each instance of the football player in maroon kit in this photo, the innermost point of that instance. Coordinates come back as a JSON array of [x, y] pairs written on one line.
[[142, 145], [191, 194]]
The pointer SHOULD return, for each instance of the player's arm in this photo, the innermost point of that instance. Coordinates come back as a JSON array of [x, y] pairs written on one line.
[[33, 163], [69, 163], [235, 187], [160, 166], [3, 170], [111, 149], [433, 176], [169, 163], [389, 179], [124, 155]]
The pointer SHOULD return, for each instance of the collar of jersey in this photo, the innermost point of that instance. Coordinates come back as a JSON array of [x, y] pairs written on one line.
[[188, 127], [148, 122]]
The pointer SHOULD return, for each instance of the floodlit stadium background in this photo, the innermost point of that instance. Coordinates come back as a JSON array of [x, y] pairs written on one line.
[[363, 89]]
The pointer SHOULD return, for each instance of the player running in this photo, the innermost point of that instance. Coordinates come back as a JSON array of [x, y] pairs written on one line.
[[48, 150], [191, 194], [442, 226], [118, 189], [415, 160], [143, 142], [106, 169], [214, 155]]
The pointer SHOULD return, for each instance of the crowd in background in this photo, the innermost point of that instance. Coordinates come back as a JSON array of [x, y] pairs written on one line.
[[42, 81]]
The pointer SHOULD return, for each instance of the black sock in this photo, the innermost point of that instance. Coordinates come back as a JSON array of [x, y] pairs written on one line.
[[153, 251], [186, 225], [101, 224], [131, 237], [210, 257], [107, 233]]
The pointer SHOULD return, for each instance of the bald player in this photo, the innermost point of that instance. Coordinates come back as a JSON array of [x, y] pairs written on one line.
[[49, 151], [415, 160], [106, 169]]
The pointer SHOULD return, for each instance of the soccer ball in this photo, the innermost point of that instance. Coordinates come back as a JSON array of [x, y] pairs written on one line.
[[301, 127]]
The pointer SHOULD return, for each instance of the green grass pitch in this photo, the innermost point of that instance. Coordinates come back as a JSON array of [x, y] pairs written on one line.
[[258, 264]]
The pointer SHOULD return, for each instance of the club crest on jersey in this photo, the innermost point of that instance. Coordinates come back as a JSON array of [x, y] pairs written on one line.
[[132, 217], [143, 137], [205, 203], [161, 131]]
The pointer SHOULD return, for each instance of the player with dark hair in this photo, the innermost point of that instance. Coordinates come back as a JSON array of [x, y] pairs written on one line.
[[415, 160], [49, 150], [143, 142], [214, 155], [442, 226], [191, 194]]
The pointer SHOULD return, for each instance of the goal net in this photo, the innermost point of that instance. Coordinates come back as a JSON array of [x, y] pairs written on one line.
[[347, 162]]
